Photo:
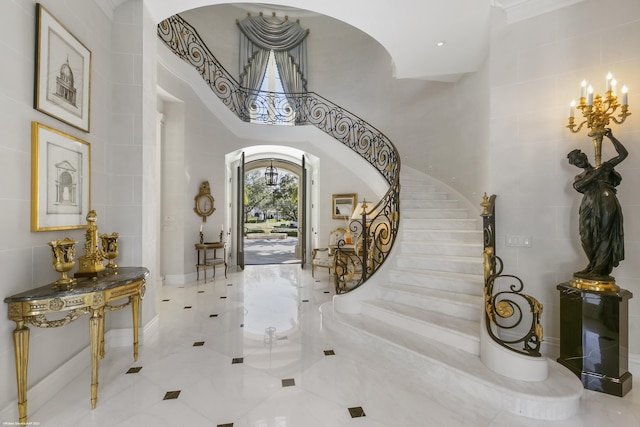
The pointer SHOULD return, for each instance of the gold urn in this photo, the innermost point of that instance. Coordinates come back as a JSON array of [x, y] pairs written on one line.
[[64, 259], [110, 248]]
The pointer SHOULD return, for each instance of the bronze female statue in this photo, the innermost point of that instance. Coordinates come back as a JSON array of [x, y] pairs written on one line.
[[601, 231]]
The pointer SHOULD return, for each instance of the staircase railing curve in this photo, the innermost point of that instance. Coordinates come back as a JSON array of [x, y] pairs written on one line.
[[503, 314], [306, 108]]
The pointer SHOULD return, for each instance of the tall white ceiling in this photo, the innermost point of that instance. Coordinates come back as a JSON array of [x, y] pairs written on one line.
[[408, 29]]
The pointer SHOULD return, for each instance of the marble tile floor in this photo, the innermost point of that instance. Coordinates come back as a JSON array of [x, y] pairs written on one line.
[[250, 351]]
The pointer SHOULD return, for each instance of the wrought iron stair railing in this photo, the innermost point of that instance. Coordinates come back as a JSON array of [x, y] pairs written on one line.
[[504, 314], [378, 231]]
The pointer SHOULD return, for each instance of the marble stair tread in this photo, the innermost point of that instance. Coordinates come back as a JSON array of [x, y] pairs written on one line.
[[437, 294], [440, 248], [471, 283], [425, 195], [467, 328], [555, 398], [416, 187], [452, 263], [441, 223], [430, 204], [466, 236], [412, 213]]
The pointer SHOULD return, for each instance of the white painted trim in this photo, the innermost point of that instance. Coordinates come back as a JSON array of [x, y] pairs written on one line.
[[179, 279], [123, 337], [43, 391]]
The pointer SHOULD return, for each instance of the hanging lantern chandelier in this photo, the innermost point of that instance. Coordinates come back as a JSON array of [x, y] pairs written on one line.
[[271, 175]]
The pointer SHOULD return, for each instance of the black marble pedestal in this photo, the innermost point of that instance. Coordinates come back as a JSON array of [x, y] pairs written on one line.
[[594, 337]]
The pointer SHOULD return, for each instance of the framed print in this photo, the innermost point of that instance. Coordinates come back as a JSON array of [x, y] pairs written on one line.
[[343, 205], [60, 179], [63, 72]]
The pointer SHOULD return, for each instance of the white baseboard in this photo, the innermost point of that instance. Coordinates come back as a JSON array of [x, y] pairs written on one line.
[[49, 386], [179, 279], [52, 384]]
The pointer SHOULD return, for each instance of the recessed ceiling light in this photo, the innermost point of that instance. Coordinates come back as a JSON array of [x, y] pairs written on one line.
[[440, 44]]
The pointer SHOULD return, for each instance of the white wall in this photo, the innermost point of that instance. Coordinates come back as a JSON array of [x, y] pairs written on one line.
[[536, 67], [25, 257], [121, 185]]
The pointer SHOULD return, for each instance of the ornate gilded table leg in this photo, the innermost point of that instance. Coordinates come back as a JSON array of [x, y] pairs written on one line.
[[101, 336], [21, 347], [135, 311], [94, 331]]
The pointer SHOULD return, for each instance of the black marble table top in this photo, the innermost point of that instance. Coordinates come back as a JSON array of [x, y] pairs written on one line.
[[84, 285]]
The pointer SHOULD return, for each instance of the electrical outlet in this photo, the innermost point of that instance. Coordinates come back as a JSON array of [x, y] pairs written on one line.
[[518, 241]]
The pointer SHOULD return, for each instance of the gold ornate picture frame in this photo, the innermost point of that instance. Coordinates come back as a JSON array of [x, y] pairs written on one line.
[[60, 179], [63, 73], [343, 205]]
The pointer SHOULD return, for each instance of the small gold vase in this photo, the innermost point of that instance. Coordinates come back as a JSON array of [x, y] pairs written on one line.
[[110, 248], [64, 259]]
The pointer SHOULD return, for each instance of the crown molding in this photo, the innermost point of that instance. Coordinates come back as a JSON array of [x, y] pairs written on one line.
[[519, 10]]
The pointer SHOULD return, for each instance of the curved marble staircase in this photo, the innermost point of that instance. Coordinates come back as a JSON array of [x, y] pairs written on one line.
[[428, 307]]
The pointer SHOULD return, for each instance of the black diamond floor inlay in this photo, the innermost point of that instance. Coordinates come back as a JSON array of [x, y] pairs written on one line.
[[229, 284], [223, 297], [289, 382], [357, 412], [171, 395], [237, 360], [201, 292], [329, 353], [198, 343], [213, 315], [305, 300], [134, 370], [187, 307], [165, 300], [327, 292], [225, 425]]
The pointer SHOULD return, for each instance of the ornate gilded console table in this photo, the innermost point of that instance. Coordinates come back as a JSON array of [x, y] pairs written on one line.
[[89, 296]]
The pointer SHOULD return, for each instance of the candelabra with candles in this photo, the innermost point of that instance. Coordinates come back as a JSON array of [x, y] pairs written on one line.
[[602, 368], [598, 111]]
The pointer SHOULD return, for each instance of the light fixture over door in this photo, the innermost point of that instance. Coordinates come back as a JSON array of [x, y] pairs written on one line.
[[271, 175]]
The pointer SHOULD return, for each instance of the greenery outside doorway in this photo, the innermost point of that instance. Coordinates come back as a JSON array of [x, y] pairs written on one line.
[[271, 216]]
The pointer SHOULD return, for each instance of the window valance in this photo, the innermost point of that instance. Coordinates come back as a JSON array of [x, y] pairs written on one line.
[[260, 35]]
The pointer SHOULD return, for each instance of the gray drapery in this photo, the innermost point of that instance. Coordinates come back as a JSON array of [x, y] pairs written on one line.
[[258, 36]]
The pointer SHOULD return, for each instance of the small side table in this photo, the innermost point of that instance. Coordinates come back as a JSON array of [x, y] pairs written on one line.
[[208, 257]]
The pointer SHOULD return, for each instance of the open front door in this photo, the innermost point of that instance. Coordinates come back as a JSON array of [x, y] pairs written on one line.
[[302, 220], [240, 213]]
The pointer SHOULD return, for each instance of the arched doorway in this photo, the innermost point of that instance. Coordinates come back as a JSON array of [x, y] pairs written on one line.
[[272, 209], [303, 165]]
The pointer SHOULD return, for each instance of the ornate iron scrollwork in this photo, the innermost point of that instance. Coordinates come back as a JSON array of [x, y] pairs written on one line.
[[503, 308], [306, 108]]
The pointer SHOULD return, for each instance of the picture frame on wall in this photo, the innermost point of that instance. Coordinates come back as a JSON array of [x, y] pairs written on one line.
[[63, 73], [343, 205], [60, 179]]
